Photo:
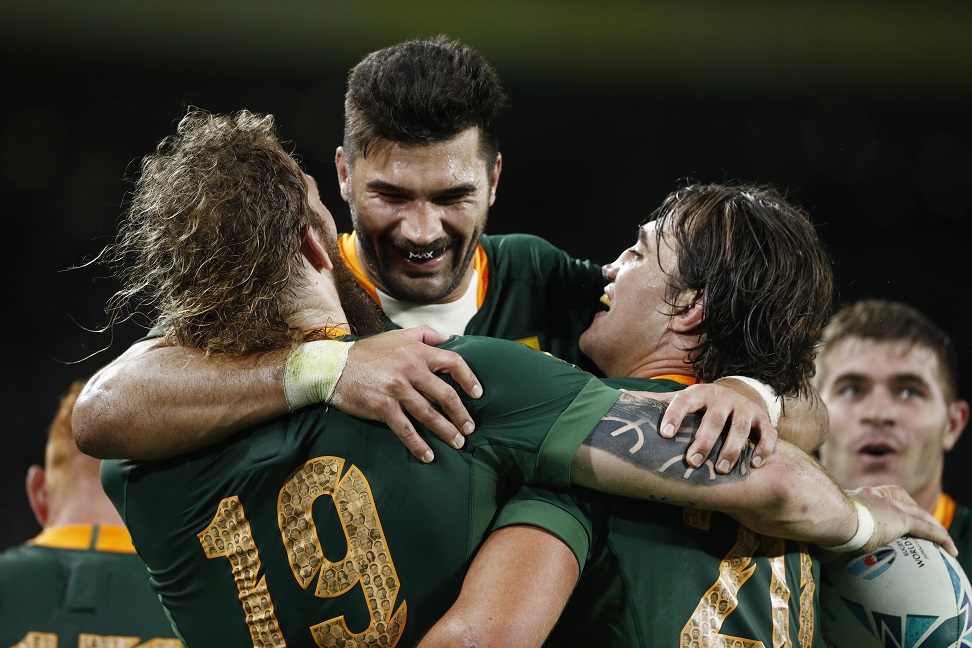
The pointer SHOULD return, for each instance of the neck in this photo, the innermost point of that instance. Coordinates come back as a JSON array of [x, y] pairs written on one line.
[[666, 356], [927, 497], [317, 304]]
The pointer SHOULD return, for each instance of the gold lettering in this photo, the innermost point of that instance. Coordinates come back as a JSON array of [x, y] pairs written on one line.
[[779, 591], [49, 640], [229, 536], [367, 562], [37, 640], [723, 597], [808, 588]]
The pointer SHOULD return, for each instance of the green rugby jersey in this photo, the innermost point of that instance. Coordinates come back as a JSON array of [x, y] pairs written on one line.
[[960, 528], [538, 295], [529, 292], [318, 527], [79, 586], [665, 576]]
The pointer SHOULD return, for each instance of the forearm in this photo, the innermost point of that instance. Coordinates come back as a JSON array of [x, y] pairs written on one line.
[[791, 496], [157, 401]]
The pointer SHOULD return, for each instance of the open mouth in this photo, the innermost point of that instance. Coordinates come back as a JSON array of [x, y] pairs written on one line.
[[606, 301], [421, 257], [876, 450]]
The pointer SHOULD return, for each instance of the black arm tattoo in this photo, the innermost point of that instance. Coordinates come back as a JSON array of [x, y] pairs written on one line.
[[629, 431]]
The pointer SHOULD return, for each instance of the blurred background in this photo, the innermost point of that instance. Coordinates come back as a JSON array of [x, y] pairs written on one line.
[[860, 111]]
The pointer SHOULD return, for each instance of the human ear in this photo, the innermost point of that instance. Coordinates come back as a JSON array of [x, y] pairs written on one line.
[[344, 175], [958, 416], [313, 250], [494, 178], [689, 307], [37, 493]]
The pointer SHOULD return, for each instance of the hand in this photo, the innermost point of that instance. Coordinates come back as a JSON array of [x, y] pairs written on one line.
[[392, 375], [896, 514], [746, 416]]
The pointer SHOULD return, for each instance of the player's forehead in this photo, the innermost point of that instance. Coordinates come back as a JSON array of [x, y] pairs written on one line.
[[879, 360]]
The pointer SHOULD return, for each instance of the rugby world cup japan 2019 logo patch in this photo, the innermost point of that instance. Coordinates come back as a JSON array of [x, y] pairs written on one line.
[[873, 564]]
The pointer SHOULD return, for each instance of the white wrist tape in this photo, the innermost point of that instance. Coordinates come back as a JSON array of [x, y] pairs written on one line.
[[774, 404], [313, 370], [865, 529]]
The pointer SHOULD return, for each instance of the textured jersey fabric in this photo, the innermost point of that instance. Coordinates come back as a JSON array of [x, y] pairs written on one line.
[[321, 527], [80, 585], [664, 576]]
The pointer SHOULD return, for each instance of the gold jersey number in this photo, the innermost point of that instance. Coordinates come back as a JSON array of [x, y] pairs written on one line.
[[367, 565], [703, 629]]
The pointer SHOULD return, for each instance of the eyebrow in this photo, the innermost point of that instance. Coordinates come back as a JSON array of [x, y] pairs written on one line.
[[910, 378], [456, 190]]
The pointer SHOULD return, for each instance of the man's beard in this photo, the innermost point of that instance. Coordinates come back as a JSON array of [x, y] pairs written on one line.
[[365, 317], [418, 289]]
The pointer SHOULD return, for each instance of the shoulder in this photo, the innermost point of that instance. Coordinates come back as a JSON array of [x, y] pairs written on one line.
[[534, 260], [505, 354]]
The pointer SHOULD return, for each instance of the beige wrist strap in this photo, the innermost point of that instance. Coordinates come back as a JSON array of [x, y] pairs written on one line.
[[313, 370]]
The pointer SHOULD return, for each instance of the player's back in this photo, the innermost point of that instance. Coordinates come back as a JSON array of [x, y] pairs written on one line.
[[315, 526], [321, 525], [83, 596]]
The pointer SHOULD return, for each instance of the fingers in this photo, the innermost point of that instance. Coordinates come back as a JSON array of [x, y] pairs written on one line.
[[766, 445], [442, 361], [405, 431], [720, 406], [392, 376], [425, 335], [897, 514]]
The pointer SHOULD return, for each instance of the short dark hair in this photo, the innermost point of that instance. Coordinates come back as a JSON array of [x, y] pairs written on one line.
[[762, 274], [420, 92], [890, 321]]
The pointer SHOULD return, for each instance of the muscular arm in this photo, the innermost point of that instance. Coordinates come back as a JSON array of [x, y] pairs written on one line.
[[513, 593], [790, 497], [158, 401]]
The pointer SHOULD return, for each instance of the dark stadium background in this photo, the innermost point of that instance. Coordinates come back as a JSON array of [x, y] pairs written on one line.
[[861, 111]]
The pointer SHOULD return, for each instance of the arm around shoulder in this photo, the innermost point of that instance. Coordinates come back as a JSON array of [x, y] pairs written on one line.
[[158, 400]]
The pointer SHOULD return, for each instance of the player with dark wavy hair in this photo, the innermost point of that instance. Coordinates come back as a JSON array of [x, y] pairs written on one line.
[[889, 377], [724, 236], [320, 527]]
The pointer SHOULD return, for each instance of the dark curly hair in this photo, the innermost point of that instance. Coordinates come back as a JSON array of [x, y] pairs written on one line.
[[420, 92], [763, 276]]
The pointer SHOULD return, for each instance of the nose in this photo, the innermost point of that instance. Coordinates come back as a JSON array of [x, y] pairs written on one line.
[[422, 225], [878, 408], [610, 270]]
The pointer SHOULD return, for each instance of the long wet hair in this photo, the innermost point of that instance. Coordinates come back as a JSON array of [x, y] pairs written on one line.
[[762, 274]]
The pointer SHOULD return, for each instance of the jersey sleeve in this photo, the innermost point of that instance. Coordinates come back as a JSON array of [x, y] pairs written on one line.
[[554, 511], [535, 410]]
